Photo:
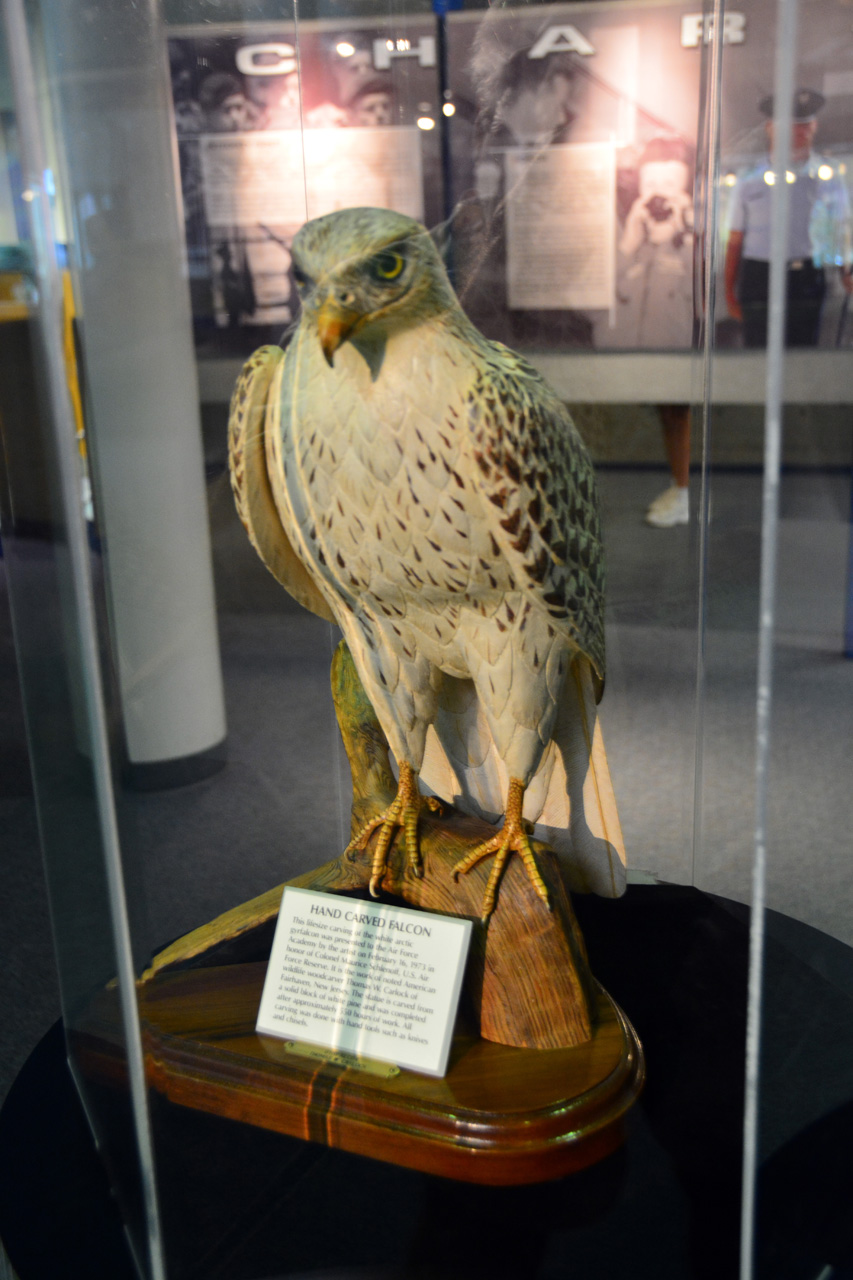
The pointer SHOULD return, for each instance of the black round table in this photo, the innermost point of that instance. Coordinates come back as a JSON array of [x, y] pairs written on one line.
[[243, 1204]]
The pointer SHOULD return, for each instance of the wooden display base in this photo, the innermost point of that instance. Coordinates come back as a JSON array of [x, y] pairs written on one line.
[[543, 1064], [501, 1115]]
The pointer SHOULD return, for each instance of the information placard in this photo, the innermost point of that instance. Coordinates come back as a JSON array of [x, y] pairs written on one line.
[[382, 982], [561, 227], [282, 177]]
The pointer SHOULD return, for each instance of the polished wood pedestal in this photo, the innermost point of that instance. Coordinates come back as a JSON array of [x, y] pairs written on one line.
[[501, 1115], [543, 1064]]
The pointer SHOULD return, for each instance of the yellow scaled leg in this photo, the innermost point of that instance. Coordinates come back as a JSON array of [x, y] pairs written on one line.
[[512, 838], [402, 812]]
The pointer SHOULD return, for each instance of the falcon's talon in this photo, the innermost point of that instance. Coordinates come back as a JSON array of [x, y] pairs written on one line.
[[401, 813], [512, 838]]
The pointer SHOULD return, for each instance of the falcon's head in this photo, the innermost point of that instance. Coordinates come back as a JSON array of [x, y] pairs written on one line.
[[364, 274]]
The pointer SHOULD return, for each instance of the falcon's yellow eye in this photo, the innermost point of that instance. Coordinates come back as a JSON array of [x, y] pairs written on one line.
[[387, 265]]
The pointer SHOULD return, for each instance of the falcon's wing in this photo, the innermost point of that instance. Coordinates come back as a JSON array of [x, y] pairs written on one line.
[[539, 496], [540, 500], [250, 481]]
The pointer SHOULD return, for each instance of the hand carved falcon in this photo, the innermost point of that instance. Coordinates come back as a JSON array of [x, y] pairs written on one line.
[[425, 489]]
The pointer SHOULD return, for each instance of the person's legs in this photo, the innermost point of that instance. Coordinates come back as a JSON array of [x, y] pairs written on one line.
[[806, 292], [673, 506], [754, 279], [675, 419]]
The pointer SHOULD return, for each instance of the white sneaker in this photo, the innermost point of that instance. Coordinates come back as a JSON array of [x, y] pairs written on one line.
[[669, 508]]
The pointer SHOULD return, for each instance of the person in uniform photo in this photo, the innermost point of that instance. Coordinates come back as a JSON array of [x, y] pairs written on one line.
[[818, 233]]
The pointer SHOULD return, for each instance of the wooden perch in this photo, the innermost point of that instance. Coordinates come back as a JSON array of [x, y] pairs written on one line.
[[527, 983]]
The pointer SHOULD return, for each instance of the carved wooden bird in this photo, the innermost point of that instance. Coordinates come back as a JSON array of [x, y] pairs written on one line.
[[425, 489]]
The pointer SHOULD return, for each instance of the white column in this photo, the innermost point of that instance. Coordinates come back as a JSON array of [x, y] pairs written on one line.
[[108, 75]]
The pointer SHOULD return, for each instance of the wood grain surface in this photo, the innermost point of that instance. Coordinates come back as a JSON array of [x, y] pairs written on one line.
[[500, 1116]]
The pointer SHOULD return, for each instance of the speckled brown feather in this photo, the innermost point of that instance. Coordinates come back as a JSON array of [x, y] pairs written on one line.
[[537, 477]]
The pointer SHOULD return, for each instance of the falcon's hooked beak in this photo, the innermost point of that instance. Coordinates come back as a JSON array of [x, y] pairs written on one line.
[[335, 323]]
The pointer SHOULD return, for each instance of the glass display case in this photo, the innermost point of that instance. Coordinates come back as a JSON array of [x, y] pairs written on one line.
[[650, 204]]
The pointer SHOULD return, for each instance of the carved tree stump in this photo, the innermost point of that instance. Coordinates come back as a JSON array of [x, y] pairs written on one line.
[[528, 981]]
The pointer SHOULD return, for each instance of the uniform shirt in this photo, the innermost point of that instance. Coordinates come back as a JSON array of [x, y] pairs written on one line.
[[819, 212]]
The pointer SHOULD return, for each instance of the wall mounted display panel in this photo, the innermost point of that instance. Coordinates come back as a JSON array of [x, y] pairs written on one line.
[[273, 129]]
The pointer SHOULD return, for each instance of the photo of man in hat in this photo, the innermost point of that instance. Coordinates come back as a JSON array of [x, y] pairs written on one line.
[[371, 105], [818, 233]]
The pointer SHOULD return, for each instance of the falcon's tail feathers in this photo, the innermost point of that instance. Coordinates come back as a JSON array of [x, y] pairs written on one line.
[[570, 800]]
